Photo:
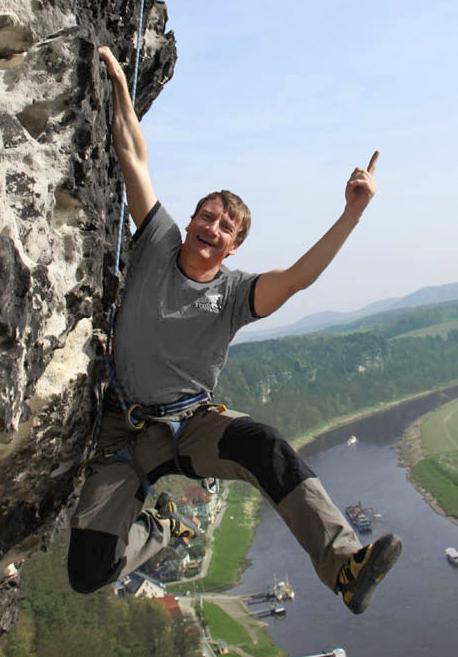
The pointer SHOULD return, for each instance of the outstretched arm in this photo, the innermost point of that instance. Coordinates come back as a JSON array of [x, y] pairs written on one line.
[[129, 143], [273, 288]]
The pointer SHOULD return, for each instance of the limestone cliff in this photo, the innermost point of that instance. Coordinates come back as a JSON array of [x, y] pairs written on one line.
[[60, 194]]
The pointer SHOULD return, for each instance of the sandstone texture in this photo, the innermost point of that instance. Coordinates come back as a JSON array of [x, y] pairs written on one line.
[[60, 195]]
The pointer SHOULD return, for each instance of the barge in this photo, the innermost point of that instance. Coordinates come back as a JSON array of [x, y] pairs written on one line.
[[359, 517]]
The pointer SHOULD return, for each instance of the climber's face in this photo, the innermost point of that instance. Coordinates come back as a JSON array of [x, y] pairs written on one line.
[[212, 232]]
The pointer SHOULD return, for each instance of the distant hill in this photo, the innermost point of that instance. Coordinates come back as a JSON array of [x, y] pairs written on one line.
[[411, 321], [299, 382], [323, 320]]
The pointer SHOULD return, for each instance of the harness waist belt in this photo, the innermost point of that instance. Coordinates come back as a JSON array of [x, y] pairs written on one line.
[[112, 403]]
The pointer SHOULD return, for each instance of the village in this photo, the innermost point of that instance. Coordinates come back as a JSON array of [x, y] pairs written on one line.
[[179, 561], [175, 578]]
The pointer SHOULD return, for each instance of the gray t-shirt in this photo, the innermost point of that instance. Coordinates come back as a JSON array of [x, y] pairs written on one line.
[[172, 333]]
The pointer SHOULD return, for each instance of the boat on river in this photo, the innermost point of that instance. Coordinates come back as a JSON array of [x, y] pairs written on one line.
[[452, 555], [359, 517], [337, 652], [280, 590], [274, 610]]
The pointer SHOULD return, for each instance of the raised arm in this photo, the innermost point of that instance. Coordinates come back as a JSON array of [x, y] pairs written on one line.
[[273, 288], [129, 143]]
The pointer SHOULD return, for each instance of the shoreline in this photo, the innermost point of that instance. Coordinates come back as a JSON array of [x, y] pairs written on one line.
[[409, 452], [409, 448], [343, 420]]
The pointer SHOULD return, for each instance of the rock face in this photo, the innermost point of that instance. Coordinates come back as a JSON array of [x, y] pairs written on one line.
[[60, 195]]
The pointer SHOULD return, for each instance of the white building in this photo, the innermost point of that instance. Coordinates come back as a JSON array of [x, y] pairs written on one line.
[[140, 586]]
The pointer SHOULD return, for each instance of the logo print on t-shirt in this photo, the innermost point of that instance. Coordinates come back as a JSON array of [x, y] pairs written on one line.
[[211, 303]]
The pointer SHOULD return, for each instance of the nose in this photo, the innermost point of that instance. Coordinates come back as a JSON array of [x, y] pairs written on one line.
[[212, 228]]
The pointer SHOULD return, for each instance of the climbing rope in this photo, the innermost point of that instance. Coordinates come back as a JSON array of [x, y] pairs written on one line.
[[109, 367], [210, 484], [106, 358], [122, 213]]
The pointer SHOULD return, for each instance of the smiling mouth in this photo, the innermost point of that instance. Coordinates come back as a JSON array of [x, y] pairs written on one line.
[[200, 239]]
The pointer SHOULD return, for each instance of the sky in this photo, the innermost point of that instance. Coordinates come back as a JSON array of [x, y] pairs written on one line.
[[278, 102]]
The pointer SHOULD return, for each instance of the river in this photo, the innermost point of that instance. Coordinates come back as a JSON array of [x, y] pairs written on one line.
[[415, 610]]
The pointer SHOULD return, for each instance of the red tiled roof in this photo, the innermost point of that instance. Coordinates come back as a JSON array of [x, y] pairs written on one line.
[[171, 604]]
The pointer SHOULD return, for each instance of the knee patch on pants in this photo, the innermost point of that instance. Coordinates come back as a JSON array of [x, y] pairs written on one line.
[[91, 558], [270, 458]]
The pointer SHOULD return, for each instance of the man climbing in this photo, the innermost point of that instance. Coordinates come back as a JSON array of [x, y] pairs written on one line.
[[180, 310]]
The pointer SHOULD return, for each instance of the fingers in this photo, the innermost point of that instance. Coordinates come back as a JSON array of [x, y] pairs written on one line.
[[359, 183], [373, 162], [114, 68], [359, 174], [361, 180], [105, 53]]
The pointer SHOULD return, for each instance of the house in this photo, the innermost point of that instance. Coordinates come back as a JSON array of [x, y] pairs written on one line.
[[170, 602], [196, 501], [192, 567], [140, 586], [171, 563]]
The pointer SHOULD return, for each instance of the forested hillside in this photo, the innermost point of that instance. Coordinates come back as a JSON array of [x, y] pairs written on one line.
[[427, 296], [57, 622], [297, 382]]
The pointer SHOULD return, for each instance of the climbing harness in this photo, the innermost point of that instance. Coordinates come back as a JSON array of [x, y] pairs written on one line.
[[175, 415], [137, 414]]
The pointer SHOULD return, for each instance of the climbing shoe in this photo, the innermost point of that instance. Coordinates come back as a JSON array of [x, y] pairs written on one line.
[[180, 526], [359, 576]]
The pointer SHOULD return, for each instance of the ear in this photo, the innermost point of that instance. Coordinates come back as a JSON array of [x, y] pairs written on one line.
[[233, 251], [189, 223]]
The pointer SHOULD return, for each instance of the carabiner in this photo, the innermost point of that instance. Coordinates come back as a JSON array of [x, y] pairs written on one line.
[[137, 426]]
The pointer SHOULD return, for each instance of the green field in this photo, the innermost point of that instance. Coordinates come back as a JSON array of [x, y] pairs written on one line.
[[437, 473], [440, 478], [223, 627], [439, 431], [231, 542], [233, 538]]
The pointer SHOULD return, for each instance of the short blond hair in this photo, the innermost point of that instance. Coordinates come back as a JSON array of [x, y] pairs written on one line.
[[236, 208]]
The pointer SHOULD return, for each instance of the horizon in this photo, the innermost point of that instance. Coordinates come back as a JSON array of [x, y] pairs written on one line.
[[249, 332], [281, 106]]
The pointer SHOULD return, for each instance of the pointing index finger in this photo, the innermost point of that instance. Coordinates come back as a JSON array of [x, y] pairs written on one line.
[[373, 162]]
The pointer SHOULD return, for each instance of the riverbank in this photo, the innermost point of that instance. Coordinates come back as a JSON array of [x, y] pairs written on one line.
[[253, 520], [233, 538], [426, 443], [229, 621], [367, 471], [363, 413]]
